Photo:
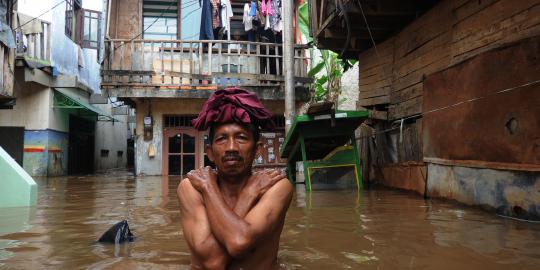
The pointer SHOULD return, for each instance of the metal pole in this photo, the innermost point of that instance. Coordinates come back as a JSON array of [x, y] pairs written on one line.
[[288, 61]]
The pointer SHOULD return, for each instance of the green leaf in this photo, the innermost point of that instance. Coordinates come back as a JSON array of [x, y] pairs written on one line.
[[316, 69], [303, 20], [322, 80]]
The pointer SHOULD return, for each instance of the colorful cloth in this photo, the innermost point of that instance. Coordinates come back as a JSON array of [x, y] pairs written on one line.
[[234, 105], [216, 14]]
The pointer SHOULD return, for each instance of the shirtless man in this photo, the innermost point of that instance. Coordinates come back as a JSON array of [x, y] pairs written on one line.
[[232, 218]]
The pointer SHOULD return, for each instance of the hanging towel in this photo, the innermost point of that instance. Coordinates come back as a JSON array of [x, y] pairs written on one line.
[[247, 19], [226, 15]]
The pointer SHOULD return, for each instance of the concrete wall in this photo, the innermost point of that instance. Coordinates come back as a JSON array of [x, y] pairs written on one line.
[[64, 52], [45, 152], [349, 89], [159, 108], [511, 193], [111, 136], [32, 108]]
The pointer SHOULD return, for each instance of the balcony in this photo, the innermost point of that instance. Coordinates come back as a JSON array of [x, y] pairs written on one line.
[[145, 68], [34, 46]]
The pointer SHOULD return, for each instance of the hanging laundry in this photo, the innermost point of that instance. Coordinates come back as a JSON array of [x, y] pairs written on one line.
[[260, 14], [226, 15], [275, 17], [206, 31], [253, 9], [216, 17], [269, 9], [247, 19]]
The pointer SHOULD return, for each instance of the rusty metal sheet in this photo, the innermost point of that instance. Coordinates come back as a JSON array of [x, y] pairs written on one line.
[[478, 122]]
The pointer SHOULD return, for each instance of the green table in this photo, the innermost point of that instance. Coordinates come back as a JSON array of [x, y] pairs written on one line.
[[320, 142]]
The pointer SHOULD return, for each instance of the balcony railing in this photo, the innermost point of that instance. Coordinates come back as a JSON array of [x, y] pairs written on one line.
[[35, 46], [207, 64]]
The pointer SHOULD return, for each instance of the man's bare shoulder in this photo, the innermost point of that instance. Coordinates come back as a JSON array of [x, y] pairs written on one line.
[[186, 190], [282, 188]]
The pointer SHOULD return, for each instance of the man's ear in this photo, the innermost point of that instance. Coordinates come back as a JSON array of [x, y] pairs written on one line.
[[209, 152]]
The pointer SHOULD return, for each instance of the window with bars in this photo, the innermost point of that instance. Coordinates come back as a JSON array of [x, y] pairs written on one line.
[[172, 121]]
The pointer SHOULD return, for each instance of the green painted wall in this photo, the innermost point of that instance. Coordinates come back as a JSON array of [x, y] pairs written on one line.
[[17, 188]]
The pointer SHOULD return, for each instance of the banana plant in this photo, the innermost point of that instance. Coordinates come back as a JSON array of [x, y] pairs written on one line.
[[327, 72]]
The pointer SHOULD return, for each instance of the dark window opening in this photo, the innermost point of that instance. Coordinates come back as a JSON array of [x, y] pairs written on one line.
[[119, 153], [104, 153]]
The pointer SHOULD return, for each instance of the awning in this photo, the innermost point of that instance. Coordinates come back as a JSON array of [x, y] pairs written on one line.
[[65, 99]]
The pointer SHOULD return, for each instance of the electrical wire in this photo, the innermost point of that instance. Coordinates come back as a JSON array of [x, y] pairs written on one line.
[[40, 15], [369, 29], [506, 90], [148, 27]]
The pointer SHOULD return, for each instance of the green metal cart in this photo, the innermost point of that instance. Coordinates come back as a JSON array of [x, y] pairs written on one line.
[[323, 141]]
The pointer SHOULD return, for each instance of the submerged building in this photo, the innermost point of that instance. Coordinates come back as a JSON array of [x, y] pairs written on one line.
[[160, 59], [452, 90], [53, 119]]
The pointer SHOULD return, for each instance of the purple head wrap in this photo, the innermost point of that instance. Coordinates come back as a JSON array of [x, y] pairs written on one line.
[[233, 105]]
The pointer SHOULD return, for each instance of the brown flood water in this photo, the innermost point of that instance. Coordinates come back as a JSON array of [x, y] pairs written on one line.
[[376, 229]]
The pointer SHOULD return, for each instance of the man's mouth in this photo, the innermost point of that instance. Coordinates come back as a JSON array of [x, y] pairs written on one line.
[[231, 160]]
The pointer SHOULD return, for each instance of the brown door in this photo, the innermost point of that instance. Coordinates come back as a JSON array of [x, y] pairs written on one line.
[[180, 151]]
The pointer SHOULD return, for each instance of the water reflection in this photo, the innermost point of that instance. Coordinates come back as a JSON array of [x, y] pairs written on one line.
[[376, 229]]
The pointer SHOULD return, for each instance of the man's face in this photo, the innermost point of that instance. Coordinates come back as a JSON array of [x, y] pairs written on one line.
[[233, 149]]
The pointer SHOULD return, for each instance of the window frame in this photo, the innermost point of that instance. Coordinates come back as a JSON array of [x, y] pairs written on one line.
[[83, 18], [72, 8], [75, 19]]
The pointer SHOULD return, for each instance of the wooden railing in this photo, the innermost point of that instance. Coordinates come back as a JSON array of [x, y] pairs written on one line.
[[187, 64], [36, 45]]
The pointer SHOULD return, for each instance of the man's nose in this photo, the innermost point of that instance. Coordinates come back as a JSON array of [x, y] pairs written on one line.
[[232, 145]]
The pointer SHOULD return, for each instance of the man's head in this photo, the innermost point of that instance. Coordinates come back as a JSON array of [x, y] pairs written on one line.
[[234, 117], [232, 147]]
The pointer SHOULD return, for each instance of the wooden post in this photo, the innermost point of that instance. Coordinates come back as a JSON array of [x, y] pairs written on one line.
[[307, 179], [161, 52], [209, 58], [357, 165]]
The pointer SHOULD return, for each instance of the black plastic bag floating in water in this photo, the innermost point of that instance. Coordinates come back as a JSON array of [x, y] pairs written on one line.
[[118, 233]]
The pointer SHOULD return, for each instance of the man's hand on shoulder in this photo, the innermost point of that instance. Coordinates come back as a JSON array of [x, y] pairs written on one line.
[[201, 178], [260, 182]]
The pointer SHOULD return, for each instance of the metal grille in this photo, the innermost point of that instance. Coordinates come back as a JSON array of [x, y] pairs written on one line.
[[178, 121]]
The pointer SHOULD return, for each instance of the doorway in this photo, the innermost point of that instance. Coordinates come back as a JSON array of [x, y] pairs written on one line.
[[181, 148], [81, 145]]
